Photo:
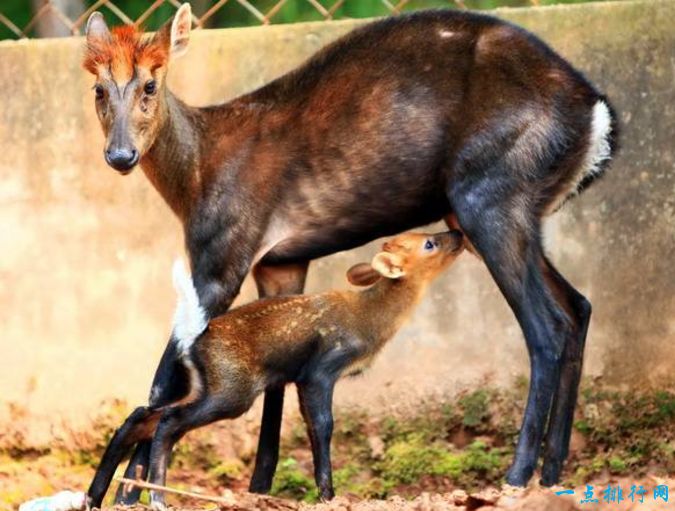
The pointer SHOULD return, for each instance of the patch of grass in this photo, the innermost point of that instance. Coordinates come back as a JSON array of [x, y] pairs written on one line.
[[195, 454], [408, 460], [353, 479], [228, 471], [475, 409], [467, 441], [625, 432], [617, 465], [293, 483]]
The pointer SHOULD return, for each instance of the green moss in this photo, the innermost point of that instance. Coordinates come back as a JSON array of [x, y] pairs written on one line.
[[407, 461], [228, 471], [617, 465], [198, 453], [665, 406], [582, 426], [355, 479], [291, 482], [625, 433], [475, 408]]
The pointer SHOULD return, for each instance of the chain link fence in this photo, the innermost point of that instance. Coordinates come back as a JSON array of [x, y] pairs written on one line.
[[58, 18]]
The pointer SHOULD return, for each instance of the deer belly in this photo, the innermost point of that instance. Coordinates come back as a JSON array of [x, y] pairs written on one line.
[[296, 238]]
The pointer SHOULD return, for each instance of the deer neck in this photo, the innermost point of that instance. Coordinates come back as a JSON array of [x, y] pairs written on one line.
[[172, 162], [387, 305]]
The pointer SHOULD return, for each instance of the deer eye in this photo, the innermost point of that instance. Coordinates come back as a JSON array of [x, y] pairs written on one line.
[[150, 87], [98, 90], [429, 245]]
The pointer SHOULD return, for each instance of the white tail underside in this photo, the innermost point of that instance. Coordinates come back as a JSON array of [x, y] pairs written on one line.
[[599, 149], [190, 318]]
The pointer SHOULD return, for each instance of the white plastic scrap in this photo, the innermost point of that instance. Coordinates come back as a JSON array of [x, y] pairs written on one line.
[[62, 501]]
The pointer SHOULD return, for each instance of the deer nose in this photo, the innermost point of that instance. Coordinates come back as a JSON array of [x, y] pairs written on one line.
[[121, 158]]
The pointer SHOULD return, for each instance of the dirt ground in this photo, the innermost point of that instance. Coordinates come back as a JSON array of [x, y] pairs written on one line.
[[446, 455], [534, 498]]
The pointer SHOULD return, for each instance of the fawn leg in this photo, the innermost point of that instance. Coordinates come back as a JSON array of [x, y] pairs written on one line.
[[273, 281], [316, 401], [176, 422], [139, 426]]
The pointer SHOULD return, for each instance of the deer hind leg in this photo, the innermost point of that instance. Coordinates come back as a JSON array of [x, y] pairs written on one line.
[[273, 281], [504, 228], [562, 411]]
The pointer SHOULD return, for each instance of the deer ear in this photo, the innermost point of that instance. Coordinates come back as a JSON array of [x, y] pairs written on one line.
[[180, 30], [362, 274], [96, 29], [175, 34], [388, 265]]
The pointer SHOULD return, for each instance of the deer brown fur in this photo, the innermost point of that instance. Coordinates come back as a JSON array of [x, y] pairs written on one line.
[[405, 121], [310, 340]]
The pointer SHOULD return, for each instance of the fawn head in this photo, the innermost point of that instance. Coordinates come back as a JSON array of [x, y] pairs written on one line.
[[130, 71], [410, 256]]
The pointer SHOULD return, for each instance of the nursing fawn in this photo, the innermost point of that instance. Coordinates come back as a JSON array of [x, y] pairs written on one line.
[[310, 340]]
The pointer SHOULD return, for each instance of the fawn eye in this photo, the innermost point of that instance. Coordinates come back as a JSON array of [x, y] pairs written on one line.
[[429, 245], [150, 87], [98, 90]]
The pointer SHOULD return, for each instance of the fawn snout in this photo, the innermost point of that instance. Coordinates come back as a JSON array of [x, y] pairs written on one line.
[[452, 241]]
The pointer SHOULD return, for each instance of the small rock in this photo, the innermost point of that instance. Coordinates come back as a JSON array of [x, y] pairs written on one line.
[[376, 447], [484, 497], [512, 491], [459, 497], [507, 501], [424, 502]]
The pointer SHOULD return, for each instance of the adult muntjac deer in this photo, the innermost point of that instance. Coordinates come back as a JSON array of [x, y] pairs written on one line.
[[405, 121]]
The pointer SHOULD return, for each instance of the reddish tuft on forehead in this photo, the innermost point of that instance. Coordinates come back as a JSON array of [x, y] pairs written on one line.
[[124, 50], [406, 242]]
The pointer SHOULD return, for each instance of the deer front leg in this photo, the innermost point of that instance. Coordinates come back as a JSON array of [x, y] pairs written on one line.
[[220, 256], [273, 281]]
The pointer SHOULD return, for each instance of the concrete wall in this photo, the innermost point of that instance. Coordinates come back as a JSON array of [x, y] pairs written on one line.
[[85, 296]]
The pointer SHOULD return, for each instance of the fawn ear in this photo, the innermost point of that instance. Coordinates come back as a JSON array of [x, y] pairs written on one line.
[[388, 265], [362, 274], [96, 29], [175, 34]]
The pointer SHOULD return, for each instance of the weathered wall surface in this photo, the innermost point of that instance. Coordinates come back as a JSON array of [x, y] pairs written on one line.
[[85, 255]]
